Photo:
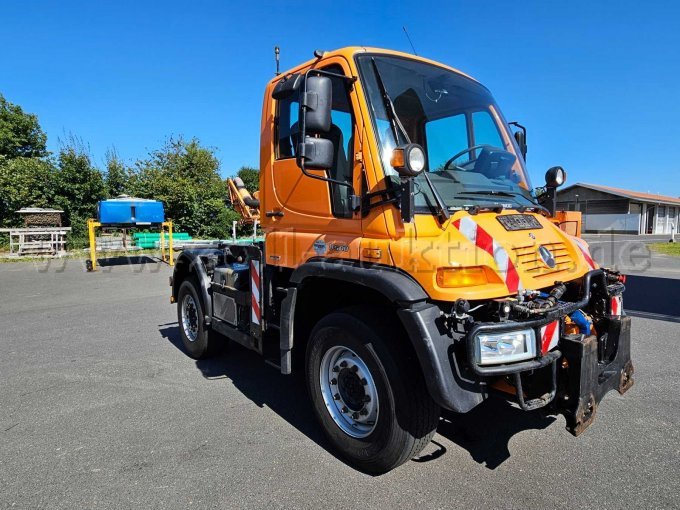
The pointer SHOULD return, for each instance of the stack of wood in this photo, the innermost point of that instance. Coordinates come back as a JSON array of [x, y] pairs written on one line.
[[40, 217]]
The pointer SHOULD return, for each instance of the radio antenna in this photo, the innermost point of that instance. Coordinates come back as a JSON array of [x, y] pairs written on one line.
[[276, 55], [409, 41]]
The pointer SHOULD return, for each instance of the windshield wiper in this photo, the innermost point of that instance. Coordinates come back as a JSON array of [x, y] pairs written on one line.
[[512, 194], [397, 126], [490, 192]]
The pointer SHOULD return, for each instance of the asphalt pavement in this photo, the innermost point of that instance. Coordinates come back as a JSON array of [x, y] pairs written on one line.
[[100, 407], [631, 255]]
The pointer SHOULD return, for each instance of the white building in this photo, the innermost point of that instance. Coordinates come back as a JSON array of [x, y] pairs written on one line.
[[607, 209]]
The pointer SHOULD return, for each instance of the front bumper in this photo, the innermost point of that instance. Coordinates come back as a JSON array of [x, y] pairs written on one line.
[[575, 376], [570, 379], [590, 368], [581, 371]]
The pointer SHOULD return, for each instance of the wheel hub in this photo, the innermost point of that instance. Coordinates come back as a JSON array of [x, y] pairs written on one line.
[[349, 392], [189, 318]]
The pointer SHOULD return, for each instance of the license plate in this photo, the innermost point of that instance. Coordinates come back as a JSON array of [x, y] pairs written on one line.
[[519, 222]]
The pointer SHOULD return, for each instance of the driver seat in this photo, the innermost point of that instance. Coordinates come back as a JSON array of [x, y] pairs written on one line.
[[494, 163]]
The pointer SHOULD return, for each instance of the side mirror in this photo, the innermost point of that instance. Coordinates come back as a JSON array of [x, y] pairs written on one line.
[[521, 138], [316, 153], [315, 106], [555, 177]]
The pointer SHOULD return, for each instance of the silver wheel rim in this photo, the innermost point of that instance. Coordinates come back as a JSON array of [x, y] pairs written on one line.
[[348, 391], [190, 317]]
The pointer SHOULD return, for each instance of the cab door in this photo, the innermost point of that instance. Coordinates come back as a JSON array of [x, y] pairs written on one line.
[[315, 218]]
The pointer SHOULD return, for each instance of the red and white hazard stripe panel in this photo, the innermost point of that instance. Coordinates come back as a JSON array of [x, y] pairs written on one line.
[[481, 238], [585, 250], [256, 313], [616, 305], [550, 336]]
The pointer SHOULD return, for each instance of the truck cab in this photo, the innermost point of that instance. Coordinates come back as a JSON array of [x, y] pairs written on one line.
[[407, 263]]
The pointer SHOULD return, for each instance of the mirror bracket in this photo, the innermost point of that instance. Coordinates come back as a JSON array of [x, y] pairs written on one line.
[[407, 200], [548, 199], [310, 100]]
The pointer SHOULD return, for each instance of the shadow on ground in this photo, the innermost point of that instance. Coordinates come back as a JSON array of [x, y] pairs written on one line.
[[652, 296], [485, 432], [127, 260]]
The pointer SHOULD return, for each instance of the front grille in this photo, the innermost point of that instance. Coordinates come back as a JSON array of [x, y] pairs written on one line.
[[529, 261]]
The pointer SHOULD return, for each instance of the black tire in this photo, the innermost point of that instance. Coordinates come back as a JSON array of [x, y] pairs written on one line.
[[407, 416], [195, 336]]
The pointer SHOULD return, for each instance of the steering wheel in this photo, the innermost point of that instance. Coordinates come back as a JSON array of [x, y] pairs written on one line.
[[464, 151]]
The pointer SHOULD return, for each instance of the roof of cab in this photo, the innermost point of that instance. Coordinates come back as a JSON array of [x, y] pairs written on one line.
[[349, 52]]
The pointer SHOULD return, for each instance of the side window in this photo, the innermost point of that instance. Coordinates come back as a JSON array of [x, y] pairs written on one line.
[[287, 127], [341, 134], [445, 137]]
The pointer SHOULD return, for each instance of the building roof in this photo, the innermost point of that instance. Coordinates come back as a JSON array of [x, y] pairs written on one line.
[[37, 210], [633, 195]]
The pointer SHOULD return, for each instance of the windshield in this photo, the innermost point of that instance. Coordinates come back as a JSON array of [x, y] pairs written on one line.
[[471, 155]]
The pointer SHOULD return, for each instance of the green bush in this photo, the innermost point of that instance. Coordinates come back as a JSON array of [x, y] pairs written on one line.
[[182, 174]]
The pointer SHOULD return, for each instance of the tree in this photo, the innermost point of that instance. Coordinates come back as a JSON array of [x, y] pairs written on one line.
[[117, 175], [20, 133], [78, 185], [24, 182], [250, 177], [185, 177]]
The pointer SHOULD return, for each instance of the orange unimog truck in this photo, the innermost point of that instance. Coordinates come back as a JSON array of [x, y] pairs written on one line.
[[407, 264]]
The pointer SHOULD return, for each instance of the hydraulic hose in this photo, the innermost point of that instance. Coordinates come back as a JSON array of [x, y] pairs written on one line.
[[545, 303]]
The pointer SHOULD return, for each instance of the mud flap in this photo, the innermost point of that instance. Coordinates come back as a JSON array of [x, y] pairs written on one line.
[[590, 367]]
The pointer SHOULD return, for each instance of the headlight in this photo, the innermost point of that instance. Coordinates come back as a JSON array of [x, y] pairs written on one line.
[[408, 160], [506, 347]]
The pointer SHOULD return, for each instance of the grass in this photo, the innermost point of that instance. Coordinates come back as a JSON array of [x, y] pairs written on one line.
[[666, 248]]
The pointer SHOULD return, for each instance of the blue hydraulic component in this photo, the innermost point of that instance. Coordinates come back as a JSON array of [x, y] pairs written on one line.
[[130, 211], [583, 323]]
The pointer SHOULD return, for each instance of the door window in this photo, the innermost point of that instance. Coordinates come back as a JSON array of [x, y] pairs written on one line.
[[341, 134], [287, 127]]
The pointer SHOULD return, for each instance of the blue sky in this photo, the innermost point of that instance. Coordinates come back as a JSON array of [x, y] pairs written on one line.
[[596, 82]]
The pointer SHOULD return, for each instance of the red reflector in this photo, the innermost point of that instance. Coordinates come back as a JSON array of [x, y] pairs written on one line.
[[622, 278]]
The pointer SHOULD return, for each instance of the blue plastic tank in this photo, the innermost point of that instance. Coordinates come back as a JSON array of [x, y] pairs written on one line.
[[130, 211]]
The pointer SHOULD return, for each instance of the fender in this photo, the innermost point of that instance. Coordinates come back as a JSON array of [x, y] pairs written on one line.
[[394, 284], [421, 320], [193, 261]]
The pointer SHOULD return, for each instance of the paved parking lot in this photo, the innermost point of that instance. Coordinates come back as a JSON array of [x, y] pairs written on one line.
[[631, 254], [99, 407]]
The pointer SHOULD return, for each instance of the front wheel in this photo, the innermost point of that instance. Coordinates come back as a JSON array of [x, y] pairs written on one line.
[[367, 390], [190, 317]]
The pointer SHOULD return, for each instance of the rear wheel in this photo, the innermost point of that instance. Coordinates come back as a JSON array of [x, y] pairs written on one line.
[[368, 391], [190, 317]]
